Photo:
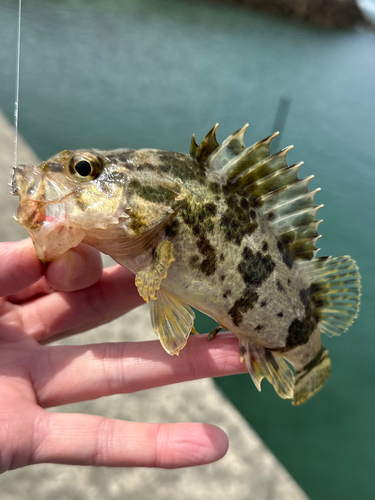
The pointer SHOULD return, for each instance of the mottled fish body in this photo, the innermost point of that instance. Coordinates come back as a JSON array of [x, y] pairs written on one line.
[[227, 229]]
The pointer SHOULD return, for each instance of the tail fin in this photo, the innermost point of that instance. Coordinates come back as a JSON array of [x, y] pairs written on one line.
[[335, 290], [311, 377]]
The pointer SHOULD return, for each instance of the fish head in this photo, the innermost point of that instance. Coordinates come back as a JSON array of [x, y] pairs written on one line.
[[78, 193]]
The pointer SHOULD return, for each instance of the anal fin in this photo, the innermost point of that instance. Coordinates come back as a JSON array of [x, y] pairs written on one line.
[[262, 363], [172, 321]]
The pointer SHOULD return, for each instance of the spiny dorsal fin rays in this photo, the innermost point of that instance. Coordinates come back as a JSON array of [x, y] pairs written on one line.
[[233, 146], [206, 147], [252, 156], [271, 185], [232, 158], [287, 228], [300, 201], [272, 182], [235, 142], [261, 170], [285, 193], [193, 147]]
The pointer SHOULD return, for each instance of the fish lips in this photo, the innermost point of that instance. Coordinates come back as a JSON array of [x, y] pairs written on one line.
[[39, 200], [27, 183], [42, 212], [26, 179]]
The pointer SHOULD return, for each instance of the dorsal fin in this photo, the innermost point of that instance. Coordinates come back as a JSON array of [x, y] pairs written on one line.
[[271, 185], [232, 147], [206, 147], [232, 157]]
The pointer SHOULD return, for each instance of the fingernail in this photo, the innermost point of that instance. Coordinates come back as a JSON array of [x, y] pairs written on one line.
[[76, 265]]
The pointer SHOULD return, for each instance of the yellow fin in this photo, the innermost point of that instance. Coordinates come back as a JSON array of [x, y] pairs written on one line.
[[262, 363], [148, 280], [310, 379], [336, 291], [194, 331], [172, 321]]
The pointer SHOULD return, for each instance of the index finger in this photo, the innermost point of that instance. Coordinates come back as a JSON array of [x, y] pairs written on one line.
[[19, 267]]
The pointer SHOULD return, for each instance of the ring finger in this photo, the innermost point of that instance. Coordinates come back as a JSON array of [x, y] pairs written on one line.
[[67, 374]]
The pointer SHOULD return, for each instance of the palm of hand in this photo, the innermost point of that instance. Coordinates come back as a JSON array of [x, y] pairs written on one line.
[[34, 376]]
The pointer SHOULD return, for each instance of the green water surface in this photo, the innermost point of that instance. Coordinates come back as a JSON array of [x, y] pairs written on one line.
[[110, 74]]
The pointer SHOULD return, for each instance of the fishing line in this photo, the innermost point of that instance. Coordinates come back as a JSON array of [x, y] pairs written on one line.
[[17, 97]]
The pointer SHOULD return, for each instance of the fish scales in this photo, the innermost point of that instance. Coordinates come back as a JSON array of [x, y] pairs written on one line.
[[228, 230]]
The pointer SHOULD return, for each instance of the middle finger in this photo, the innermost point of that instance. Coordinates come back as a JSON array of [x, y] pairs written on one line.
[[67, 313]]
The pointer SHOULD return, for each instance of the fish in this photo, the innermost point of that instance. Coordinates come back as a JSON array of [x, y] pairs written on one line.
[[227, 229]]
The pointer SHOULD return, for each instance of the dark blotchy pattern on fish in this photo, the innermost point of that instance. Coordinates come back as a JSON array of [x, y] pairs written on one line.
[[242, 305], [208, 266], [280, 286], [199, 219], [236, 221], [172, 229], [285, 255], [177, 165], [255, 268], [197, 215], [137, 224], [155, 194], [299, 331], [124, 158]]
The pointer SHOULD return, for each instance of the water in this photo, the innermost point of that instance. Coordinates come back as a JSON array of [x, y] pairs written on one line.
[[110, 74]]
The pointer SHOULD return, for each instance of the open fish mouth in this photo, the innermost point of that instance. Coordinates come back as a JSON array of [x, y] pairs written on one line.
[[41, 200], [26, 179], [58, 211], [43, 211]]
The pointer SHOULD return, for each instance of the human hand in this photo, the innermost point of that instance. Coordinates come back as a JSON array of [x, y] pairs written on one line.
[[70, 296]]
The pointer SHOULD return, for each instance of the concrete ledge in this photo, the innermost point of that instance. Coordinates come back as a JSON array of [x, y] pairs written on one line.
[[248, 472]]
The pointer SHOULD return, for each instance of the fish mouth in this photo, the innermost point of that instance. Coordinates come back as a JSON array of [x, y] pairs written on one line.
[[27, 183], [35, 208], [43, 211]]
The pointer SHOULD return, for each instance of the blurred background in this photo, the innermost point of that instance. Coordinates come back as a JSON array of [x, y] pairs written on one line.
[[110, 74]]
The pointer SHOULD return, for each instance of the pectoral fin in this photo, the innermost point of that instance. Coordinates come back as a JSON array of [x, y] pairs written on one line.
[[172, 321], [262, 363], [148, 280]]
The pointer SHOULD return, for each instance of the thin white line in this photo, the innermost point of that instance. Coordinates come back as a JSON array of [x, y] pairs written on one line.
[[17, 84]]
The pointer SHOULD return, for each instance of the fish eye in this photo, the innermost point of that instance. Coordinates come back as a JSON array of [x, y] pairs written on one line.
[[85, 167]]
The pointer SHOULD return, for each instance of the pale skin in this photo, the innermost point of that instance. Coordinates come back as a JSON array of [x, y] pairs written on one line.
[[71, 295]]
